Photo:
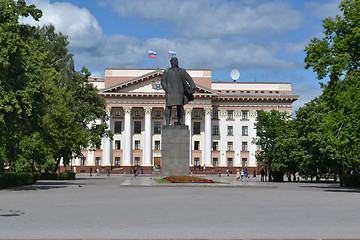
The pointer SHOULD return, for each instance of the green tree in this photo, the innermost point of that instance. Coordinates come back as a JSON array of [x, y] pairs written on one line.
[[47, 108], [82, 102], [337, 56], [272, 130]]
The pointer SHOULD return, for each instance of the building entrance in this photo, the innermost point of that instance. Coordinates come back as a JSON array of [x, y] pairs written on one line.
[[157, 163]]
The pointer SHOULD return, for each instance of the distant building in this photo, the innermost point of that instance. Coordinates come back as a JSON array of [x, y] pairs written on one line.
[[221, 120]]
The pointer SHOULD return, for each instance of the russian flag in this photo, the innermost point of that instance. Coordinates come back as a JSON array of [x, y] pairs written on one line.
[[152, 54], [171, 54]]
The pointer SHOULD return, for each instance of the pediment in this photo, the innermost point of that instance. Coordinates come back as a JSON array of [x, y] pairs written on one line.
[[148, 83]]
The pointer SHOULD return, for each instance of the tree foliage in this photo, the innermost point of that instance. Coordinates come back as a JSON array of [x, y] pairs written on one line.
[[46, 106]]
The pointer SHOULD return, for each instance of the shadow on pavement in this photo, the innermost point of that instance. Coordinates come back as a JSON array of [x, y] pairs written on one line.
[[332, 188]]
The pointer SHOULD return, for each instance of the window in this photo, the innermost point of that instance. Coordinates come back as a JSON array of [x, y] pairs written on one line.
[[244, 162], [230, 114], [117, 127], [230, 162], [233, 91], [196, 127], [117, 113], [271, 92], [157, 113], [244, 146], [215, 114], [157, 127], [196, 145], [244, 130], [227, 91], [262, 91], [230, 130], [137, 127], [137, 161], [230, 146], [215, 162], [157, 145], [117, 144], [196, 161], [256, 91], [83, 161], [117, 161], [98, 161], [244, 114], [137, 144], [276, 91], [175, 113], [137, 113], [196, 114], [215, 130], [258, 147], [215, 146], [247, 91]]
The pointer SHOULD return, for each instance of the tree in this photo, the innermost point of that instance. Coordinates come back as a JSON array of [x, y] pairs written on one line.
[[47, 108], [337, 55], [272, 128]]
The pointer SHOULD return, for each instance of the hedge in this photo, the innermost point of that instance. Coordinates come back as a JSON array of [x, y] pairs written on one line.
[[58, 176], [351, 180], [14, 179]]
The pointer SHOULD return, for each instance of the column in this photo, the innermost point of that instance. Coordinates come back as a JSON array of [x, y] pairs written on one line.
[[127, 157], [90, 156], [252, 134], [147, 138], [107, 144], [188, 112], [237, 135], [223, 133], [207, 142]]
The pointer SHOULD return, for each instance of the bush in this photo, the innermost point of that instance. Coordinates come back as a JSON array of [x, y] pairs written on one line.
[[351, 180], [58, 176], [14, 179]]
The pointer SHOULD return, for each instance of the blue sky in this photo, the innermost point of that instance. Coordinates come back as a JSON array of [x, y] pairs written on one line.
[[263, 39]]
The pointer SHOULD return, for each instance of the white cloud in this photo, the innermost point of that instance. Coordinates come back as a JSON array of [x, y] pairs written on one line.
[[78, 23], [214, 18], [322, 10], [306, 92]]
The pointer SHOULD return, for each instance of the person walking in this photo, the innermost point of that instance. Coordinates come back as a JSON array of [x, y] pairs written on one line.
[[219, 172], [108, 171], [262, 173], [246, 174], [237, 174], [227, 171], [97, 172], [242, 174], [90, 170]]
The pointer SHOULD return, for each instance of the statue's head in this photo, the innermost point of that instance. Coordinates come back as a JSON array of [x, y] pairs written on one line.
[[174, 62]]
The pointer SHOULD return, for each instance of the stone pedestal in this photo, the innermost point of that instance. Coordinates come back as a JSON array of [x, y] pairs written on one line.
[[175, 150]]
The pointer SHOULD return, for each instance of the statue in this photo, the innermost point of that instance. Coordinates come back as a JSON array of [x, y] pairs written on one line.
[[179, 88]]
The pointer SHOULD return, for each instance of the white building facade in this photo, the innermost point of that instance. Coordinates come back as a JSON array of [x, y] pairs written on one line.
[[220, 119]]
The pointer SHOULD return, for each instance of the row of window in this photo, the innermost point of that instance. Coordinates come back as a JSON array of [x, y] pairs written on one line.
[[215, 114], [215, 145], [196, 128], [215, 161], [227, 91]]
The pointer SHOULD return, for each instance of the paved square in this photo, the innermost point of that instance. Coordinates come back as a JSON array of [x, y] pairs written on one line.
[[104, 208]]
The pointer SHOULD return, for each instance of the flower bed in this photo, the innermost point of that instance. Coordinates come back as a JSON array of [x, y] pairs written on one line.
[[186, 179]]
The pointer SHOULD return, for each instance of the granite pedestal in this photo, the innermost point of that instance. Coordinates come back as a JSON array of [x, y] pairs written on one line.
[[175, 150]]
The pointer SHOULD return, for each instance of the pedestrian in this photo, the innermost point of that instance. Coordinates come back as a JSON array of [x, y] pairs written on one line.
[[97, 172], [237, 174], [108, 171], [142, 170], [242, 173], [74, 169], [135, 171], [246, 174], [219, 172], [262, 172], [227, 171], [204, 168], [254, 173], [90, 170]]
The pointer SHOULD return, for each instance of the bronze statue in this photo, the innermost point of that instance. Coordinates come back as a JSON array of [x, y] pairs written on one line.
[[179, 88]]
